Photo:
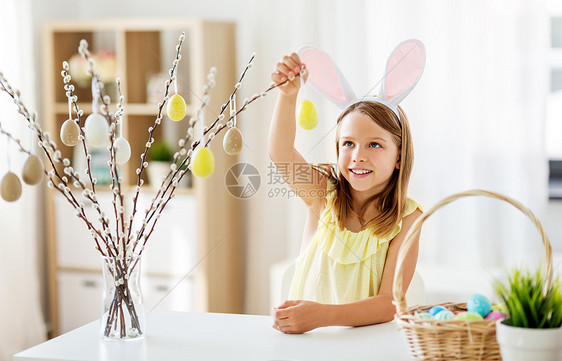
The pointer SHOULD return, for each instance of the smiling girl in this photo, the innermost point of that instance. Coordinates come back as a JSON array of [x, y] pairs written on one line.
[[357, 215]]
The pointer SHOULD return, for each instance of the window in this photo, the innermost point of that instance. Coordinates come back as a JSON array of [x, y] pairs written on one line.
[[554, 108]]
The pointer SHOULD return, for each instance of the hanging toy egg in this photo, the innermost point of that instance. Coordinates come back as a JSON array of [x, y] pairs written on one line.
[[32, 172], [69, 132], [11, 187], [122, 150], [232, 141], [203, 163], [97, 130], [176, 108], [308, 116]]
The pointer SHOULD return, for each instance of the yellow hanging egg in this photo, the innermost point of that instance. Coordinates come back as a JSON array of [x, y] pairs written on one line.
[[11, 187], [203, 163], [232, 141], [69, 132], [32, 172], [176, 108], [308, 116]]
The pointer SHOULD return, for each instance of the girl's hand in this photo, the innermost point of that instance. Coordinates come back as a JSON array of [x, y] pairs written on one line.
[[288, 68], [298, 316]]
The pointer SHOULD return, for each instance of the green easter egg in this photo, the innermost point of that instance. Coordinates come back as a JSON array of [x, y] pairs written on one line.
[[468, 316], [499, 307]]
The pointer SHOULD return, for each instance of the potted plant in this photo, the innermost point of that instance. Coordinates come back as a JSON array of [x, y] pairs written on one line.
[[532, 329], [161, 156]]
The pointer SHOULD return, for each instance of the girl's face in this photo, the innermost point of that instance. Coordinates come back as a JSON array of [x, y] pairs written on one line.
[[367, 154]]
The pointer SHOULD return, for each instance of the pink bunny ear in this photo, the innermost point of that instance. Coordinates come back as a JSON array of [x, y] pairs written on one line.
[[325, 76], [404, 68]]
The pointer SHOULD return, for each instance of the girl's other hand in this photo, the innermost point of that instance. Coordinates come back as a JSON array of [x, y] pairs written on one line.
[[288, 68], [298, 316]]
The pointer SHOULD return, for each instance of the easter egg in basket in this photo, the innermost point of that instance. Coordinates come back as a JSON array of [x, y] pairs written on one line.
[[444, 315], [496, 315], [424, 315], [480, 304], [468, 316], [436, 309]]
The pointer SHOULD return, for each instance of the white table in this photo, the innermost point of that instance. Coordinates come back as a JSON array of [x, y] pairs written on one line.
[[185, 336]]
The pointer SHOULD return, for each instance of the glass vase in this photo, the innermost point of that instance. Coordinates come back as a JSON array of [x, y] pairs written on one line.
[[123, 317]]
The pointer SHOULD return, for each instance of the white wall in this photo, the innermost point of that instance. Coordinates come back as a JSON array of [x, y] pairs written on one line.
[[273, 229]]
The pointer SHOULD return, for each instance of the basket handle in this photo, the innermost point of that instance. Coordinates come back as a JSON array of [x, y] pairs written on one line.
[[398, 289]]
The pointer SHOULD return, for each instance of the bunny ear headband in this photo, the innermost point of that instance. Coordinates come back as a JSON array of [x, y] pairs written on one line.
[[404, 68]]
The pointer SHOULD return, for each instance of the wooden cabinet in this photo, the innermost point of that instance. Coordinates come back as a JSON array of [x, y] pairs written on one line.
[[195, 252]]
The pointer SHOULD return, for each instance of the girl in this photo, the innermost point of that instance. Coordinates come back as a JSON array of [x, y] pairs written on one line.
[[357, 216]]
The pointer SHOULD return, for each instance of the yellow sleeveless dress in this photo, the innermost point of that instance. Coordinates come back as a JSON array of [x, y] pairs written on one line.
[[340, 266]]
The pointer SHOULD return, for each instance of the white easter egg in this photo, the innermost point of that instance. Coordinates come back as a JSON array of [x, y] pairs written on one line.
[[32, 172], [10, 187], [232, 141], [97, 130], [122, 150], [69, 132]]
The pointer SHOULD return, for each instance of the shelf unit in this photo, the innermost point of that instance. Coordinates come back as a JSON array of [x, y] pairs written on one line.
[[200, 228]]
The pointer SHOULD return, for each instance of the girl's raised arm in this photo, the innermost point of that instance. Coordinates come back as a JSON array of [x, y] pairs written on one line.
[[290, 163]]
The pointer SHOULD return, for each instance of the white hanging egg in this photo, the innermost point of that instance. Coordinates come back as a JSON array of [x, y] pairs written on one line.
[[176, 108], [11, 187], [32, 172], [232, 141], [97, 130], [203, 163], [69, 132], [122, 150]]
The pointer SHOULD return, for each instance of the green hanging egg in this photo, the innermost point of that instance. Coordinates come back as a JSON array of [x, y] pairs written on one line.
[[176, 108], [308, 115], [203, 163]]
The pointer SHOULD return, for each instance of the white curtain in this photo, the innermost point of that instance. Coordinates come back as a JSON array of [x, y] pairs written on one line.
[[21, 320], [479, 124], [476, 116]]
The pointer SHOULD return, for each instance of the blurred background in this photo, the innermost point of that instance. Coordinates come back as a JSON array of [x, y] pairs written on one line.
[[487, 113]]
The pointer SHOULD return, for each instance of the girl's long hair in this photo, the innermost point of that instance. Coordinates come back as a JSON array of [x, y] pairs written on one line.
[[392, 200]]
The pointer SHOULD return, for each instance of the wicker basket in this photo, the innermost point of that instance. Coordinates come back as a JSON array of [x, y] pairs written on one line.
[[454, 339]]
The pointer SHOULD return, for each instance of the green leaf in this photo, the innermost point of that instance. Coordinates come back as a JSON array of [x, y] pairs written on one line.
[[528, 304]]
